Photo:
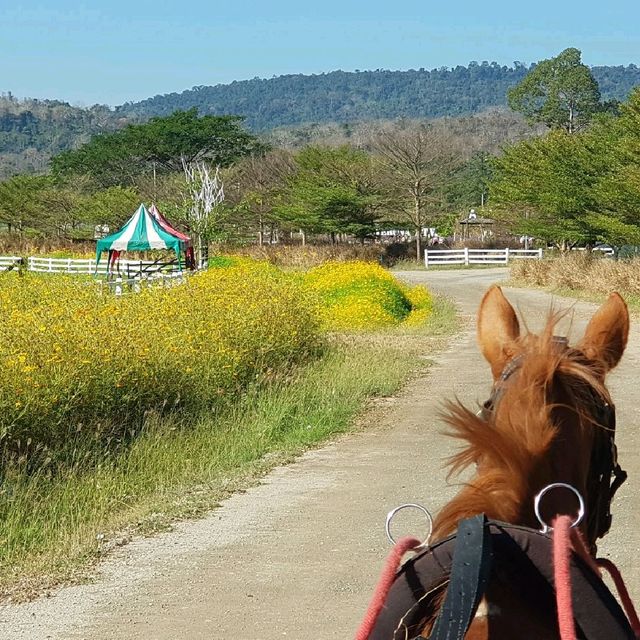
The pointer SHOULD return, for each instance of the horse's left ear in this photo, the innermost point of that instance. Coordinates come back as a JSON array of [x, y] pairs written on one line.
[[498, 329], [606, 336]]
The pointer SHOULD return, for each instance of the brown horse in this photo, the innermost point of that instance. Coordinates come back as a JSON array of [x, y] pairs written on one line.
[[543, 424]]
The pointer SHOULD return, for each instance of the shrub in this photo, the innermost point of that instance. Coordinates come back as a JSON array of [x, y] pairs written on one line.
[[362, 295]]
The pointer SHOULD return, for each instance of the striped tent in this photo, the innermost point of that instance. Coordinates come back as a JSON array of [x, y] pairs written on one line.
[[140, 233], [167, 226]]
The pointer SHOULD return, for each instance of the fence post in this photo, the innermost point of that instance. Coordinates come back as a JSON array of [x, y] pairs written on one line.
[[506, 255], [50, 265], [426, 258], [540, 253], [68, 265], [466, 256]]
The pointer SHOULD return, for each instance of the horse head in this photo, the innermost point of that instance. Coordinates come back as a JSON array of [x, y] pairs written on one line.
[[549, 419]]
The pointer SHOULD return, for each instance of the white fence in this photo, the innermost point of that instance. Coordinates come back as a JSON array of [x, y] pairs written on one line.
[[439, 257], [88, 266], [131, 277], [120, 286], [9, 262]]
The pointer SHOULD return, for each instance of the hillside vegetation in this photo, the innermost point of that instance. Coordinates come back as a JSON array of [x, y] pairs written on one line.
[[342, 96], [31, 131]]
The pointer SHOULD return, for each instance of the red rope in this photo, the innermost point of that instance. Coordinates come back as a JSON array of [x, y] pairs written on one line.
[[384, 585], [562, 577], [622, 592], [564, 539]]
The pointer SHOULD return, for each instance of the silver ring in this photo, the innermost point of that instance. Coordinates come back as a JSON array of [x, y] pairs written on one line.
[[536, 505], [410, 505]]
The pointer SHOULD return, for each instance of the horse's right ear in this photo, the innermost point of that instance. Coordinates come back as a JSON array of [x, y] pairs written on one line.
[[606, 336], [498, 329]]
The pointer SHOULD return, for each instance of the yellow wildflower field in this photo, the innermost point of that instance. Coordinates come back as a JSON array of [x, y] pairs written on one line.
[[73, 360], [362, 295], [77, 362]]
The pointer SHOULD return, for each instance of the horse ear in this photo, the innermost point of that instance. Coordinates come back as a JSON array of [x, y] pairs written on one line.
[[498, 329], [606, 335]]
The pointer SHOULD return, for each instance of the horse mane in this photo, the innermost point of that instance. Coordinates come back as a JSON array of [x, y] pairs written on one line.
[[511, 444]]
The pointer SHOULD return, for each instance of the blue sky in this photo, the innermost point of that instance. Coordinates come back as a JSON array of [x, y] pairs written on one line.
[[116, 51]]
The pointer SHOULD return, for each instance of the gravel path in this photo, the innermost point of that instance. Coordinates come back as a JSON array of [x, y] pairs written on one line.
[[297, 556]]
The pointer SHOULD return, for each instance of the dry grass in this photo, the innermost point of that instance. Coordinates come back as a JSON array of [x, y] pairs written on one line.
[[304, 257], [16, 245], [581, 272]]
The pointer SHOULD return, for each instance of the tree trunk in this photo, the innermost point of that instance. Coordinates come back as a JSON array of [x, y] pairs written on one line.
[[417, 219], [570, 119]]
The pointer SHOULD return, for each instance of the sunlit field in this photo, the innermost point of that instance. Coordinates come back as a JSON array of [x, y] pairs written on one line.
[[119, 414]]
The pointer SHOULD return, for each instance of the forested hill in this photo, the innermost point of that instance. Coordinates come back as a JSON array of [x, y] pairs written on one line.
[[31, 131], [342, 96]]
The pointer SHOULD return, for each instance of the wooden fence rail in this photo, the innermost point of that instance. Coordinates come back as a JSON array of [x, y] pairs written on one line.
[[439, 257]]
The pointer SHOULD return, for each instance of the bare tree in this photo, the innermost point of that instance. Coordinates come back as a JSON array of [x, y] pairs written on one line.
[[206, 194], [417, 161], [257, 181]]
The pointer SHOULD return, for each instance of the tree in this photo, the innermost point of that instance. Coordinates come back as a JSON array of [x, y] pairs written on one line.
[[561, 93], [203, 204], [418, 164], [111, 207], [616, 141], [257, 182], [544, 188], [332, 191], [162, 144], [470, 184], [36, 203]]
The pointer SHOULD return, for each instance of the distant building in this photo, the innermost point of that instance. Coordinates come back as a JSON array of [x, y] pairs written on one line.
[[100, 231], [474, 227]]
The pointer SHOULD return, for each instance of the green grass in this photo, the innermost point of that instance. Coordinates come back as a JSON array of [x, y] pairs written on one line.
[[413, 265], [408, 265], [52, 528]]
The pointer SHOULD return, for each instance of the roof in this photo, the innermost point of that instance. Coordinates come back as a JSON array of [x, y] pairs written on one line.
[[476, 221], [140, 233]]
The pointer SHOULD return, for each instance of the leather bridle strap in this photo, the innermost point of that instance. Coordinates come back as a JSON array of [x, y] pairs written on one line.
[[470, 571]]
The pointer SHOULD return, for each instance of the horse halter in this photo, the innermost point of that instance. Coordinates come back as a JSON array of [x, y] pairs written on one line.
[[605, 474]]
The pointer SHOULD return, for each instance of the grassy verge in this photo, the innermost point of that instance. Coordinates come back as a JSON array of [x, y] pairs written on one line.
[[582, 276], [57, 527], [413, 265]]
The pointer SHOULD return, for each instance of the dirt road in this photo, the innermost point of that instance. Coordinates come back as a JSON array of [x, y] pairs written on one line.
[[297, 556]]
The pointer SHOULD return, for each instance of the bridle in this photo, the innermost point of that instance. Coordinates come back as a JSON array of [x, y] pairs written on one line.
[[446, 581], [605, 473]]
